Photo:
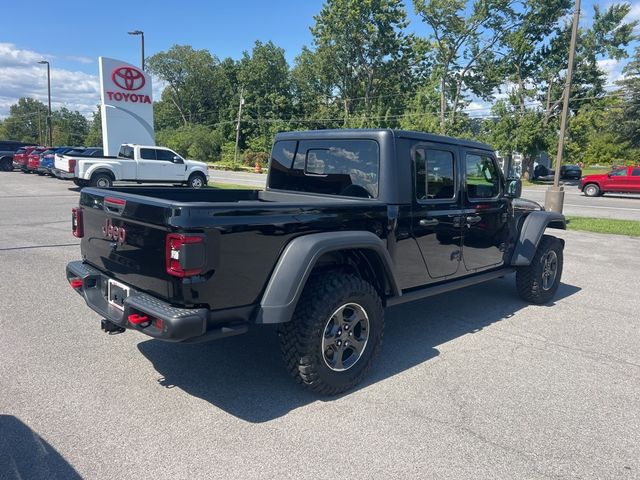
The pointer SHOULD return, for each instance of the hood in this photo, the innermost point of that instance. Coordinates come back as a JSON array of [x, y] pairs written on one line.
[[523, 204], [599, 176], [196, 163]]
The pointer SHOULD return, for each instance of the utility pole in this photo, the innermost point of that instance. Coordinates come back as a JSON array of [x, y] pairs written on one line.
[[238, 122], [554, 198], [141, 33], [49, 126]]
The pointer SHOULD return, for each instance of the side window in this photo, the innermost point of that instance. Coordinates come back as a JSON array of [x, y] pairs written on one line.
[[435, 174], [165, 155], [619, 173], [126, 152], [635, 172], [148, 153], [483, 180]]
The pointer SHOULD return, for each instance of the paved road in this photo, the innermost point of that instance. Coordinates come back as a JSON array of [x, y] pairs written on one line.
[[620, 206], [626, 207], [240, 178], [473, 384]]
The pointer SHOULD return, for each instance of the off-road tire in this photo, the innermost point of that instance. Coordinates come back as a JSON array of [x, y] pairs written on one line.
[[197, 180], [101, 180], [591, 190], [301, 339], [529, 279]]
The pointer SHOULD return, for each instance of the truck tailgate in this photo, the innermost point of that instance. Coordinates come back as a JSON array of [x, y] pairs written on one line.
[[126, 239]]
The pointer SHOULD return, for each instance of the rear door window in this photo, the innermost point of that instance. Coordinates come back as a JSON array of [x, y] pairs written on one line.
[[332, 167], [635, 172], [148, 153], [126, 152], [435, 178]]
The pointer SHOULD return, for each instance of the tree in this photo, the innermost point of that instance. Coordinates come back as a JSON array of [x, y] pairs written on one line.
[[629, 126], [94, 136], [266, 83], [27, 121], [595, 134], [362, 54], [514, 131], [607, 37], [69, 127], [534, 24], [463, 46], [198, 85]]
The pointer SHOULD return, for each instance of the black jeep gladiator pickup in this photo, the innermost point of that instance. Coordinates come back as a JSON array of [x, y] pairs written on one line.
[[351, 221]]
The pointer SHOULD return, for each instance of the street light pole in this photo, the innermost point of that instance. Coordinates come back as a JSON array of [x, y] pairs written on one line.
[[49, 129], [554, 198], [141, 33]]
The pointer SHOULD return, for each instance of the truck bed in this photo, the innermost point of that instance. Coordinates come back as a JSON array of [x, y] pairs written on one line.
[[245, 233]]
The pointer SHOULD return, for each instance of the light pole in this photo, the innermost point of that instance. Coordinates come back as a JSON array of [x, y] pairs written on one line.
[[554, 197], [141, 33], [49, 129]]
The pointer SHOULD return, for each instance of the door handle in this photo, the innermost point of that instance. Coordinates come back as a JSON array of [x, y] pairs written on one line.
[[473, 219], [428, 222]]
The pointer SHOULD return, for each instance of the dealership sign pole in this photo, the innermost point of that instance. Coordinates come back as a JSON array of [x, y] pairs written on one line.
[[126, 105]]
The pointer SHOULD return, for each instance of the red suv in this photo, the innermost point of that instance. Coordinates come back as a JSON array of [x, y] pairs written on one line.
[[619, 180]]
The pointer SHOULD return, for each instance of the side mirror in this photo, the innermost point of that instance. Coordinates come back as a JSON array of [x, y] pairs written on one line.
[[514, 187], [177, 159]]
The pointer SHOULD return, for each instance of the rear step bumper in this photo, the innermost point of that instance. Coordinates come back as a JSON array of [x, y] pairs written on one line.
[[165, 322]]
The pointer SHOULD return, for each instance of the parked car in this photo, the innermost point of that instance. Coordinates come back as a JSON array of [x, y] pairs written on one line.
[[33, 159], [21, 157], [619, 180], [570, 172], [351, 221], [138, 163], [47, 160], [567, 172], [7, 149]]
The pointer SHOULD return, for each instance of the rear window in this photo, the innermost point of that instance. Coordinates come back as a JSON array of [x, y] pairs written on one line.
[[347, 168], [126, 152]]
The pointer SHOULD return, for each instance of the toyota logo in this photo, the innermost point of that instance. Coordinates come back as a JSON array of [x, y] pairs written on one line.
[[128, 78]]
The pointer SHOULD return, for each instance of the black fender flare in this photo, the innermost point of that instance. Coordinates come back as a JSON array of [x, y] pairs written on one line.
[[533, 229], [298, 260]]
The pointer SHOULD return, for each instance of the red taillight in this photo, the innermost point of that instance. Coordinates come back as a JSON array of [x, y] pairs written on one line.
[[137, 318], [185, 255], [72, 165], [77, 227], [75, 283]]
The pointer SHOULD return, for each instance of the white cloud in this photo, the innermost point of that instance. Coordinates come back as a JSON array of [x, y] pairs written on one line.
[[612, 68], [23, 77], [634, 13]]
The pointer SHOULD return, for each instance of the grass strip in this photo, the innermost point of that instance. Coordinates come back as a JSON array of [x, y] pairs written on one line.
[[604, 225]]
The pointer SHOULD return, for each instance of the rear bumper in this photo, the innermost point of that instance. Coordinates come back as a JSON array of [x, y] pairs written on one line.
[[62, 174], [166, 322]]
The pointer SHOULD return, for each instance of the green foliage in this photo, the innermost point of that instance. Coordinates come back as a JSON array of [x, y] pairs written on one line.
[[94, 137], [27, 121], [193, 141], [69, 128], [361, 53]]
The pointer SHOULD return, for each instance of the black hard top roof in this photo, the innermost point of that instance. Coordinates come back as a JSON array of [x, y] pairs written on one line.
[[376, 133]]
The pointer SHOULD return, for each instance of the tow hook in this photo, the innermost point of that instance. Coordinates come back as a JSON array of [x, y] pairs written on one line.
[[110, 327]]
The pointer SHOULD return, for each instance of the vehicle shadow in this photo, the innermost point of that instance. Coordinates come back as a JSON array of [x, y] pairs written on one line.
[[245, 377], [24, 454]]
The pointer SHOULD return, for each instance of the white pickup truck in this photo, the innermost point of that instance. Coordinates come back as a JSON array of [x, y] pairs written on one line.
[[135, 163]]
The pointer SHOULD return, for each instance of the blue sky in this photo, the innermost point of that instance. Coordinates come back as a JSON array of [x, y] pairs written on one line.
[[72, 34]]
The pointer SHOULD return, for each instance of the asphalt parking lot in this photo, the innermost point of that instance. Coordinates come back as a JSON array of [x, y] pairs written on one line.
[[471, 384]]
